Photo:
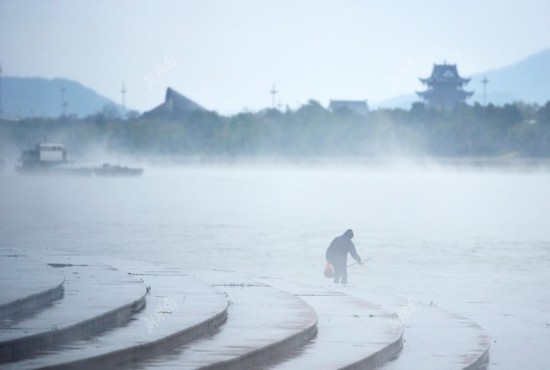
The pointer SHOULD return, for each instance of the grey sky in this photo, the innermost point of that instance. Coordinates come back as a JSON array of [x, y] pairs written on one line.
[[225, 55]]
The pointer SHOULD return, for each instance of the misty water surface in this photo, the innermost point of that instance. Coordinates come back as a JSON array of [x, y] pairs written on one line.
[[453, 237]]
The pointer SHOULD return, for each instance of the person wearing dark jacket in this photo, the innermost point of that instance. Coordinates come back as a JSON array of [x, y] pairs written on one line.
[[337, 255]]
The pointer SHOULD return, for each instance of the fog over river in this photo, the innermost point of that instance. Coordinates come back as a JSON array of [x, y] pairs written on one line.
[[476, 242]]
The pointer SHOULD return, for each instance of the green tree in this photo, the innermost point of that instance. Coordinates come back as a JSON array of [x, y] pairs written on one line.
[[543, 115]]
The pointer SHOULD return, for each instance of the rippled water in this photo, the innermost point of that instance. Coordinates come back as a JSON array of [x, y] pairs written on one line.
[[475, 242]]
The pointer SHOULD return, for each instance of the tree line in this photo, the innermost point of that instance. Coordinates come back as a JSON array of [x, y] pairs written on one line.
[[311, 130]]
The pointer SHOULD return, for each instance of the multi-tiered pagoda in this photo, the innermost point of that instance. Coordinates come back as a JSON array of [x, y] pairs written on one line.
[[444, 87]]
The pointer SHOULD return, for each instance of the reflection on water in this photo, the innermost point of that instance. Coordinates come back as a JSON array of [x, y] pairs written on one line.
[[453, 237]]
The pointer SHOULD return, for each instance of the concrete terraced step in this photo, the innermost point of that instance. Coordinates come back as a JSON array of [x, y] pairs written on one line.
[[96, 298], [439, 339], [434, 338], [263, 325], [352, 333], [27, 286], [179, 309]]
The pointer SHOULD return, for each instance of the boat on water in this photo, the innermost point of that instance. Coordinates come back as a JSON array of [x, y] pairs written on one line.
[[43, 158], [51, 158], [117, 170]]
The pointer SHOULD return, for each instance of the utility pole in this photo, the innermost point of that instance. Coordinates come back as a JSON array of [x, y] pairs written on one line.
[[123, 92], [485, 81], [0, 91], [63, 102], [273, 92]]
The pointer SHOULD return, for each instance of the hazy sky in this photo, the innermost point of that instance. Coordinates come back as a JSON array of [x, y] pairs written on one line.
[[226, 54]]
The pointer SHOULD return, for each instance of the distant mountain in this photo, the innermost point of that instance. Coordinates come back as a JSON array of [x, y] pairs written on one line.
[[401, 101], [40, 97], [527, 80]]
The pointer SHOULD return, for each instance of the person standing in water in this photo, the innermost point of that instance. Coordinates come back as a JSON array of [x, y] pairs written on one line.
[[337, 255]]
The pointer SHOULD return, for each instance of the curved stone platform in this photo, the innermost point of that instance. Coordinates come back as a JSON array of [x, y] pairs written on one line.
[[27, 287], [222, 320], [434, 338], [96, 298], [439, 339], [179, 309], [352, 333], [264, 324]]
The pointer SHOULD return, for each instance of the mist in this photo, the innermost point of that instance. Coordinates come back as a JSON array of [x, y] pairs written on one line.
[[478, 134], [436, 233], [245, 186]]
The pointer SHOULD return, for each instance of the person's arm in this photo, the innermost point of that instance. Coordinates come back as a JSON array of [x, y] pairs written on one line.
[[353, 252]]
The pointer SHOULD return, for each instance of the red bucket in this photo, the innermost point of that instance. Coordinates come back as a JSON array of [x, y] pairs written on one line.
[[329, 271]]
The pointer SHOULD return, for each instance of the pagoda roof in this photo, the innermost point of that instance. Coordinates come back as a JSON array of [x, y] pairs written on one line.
[[445, 73], [431, 93]]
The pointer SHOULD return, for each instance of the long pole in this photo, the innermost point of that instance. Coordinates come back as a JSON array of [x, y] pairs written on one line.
[[365, 260], [63, 102], [123, 92], [273, 92], [0, 91], [485, 81]]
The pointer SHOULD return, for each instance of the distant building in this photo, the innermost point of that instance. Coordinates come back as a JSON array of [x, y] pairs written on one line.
[[175, 106], [445, 87], [357, 106]]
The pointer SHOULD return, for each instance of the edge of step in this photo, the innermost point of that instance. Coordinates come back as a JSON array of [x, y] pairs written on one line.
[[20, 347], [270, 354], [48, 282], [364, 334], [434, 336], [33, 303], [274, 352], [162, 284], [379, 359], [247, 340], [139, 352]]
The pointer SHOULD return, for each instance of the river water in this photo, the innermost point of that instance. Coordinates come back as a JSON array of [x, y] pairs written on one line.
[[476, 242]]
